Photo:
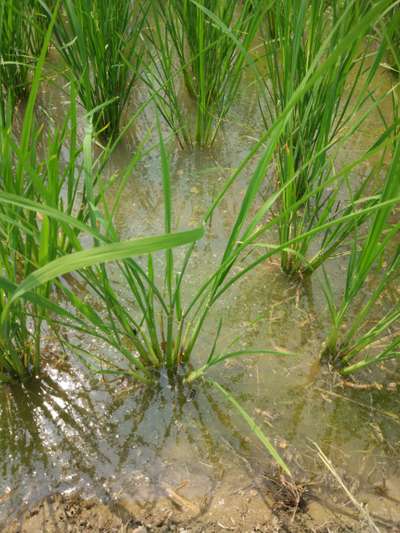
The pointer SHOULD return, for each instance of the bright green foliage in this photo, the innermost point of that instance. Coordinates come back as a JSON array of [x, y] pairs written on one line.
[[211, 40], [21, 36], [28, 239], [389, 29], [352, 343], [101, 43], [44, 206], [148, 325], [299, 34], [23, 244]]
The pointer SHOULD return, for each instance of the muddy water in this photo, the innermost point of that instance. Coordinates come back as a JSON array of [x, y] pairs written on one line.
[[112, 439]]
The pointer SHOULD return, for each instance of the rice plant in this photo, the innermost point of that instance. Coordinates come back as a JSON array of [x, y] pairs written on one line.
[[296, 35], [153, 332], [33, 175], [29, 240], [46, 202], [207, 44], [100, 42], [21, 250], [44, 208], [38, 22], [21, 37], [353, 343], [389, 30], [149, 325]]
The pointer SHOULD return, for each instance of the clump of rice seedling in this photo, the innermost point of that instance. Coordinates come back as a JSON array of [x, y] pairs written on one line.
[[353, 344], [389, 30], [101, 43], [38, 23], [298, 35], [149, 325], [28, 238], [46, 206], [153, 331], [21, 37], [207, 44]]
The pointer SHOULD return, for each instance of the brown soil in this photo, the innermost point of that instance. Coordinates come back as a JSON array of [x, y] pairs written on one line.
[[289, 509]]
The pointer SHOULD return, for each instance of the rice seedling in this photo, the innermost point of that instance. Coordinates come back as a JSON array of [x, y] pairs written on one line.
[[101, 44], [155, 331], [22, 246], [323, 118], [353, 343], [21, 36], [207, 44], [38, 23], [163, 78], [44, 207], [147, 344], [29, 240], [389, 30], [151, 329]]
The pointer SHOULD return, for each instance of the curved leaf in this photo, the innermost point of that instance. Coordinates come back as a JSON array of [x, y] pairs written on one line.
[[102, 254]]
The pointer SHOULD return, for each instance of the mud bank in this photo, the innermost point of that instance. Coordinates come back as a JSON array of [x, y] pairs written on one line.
[[266, 506]]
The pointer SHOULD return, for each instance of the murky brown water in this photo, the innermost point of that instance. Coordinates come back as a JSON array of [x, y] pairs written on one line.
[[73, 432]]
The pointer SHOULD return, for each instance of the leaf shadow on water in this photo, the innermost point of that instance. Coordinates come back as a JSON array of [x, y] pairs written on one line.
[[43, 428], [175, 426], [65, 433]]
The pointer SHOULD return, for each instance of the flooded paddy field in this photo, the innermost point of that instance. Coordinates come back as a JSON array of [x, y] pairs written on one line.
[[110, 455], [84, 450]]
